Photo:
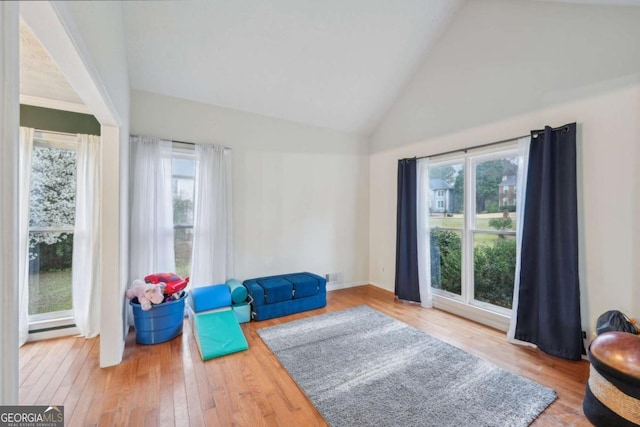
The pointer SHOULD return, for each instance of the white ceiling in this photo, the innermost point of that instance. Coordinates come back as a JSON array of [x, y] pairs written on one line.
[[40, 77], [337, 64]]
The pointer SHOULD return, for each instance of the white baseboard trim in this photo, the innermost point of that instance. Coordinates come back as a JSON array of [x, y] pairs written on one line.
[[380, 285], [333, 286], [54, 333]]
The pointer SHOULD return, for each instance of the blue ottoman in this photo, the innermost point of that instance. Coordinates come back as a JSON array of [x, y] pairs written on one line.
[[277, 296]]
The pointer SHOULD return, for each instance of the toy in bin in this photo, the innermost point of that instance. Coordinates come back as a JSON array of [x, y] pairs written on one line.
[[146, 294], [173, 282], [156, 289], [158, 307]]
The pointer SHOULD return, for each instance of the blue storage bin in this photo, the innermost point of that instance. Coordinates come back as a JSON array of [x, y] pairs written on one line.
[[161, 323]]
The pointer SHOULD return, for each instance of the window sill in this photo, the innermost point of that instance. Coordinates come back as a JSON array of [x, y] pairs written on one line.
[[477, 314]]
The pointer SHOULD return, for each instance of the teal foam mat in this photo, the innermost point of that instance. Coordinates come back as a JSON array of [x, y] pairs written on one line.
[[218, 334]]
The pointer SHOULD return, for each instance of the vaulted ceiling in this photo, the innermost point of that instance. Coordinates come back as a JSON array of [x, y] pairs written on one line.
[[333, 63], [40, 77], [338, 64]]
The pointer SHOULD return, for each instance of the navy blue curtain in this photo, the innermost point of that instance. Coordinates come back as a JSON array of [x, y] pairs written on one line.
[[407, 285], [548, 312]]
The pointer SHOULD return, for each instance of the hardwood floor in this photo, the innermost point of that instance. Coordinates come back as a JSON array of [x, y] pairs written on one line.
[[168, 384]]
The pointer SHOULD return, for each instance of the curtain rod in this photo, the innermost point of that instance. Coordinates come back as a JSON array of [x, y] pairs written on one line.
[[175, 140], [534, 134], [193, 143]]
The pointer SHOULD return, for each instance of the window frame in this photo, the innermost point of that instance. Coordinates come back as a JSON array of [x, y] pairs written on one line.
[[60, 318], [465, 304], [183, 151]]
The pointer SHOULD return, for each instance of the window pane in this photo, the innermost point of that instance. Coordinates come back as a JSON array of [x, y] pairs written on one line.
[[183, 237], [183, 189], [446, 260], [53, 187], [50, 272], [446, 198], [494, 258], [183, 204], [496, 194]]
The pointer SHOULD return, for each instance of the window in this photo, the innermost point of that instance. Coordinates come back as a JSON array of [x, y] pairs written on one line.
[[473, 251], [51, 225], [446, 231], [183, 186]]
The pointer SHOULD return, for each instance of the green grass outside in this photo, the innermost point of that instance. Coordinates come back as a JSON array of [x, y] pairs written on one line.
[[50, 291], [482, 223], [456, 221], [183, 269]]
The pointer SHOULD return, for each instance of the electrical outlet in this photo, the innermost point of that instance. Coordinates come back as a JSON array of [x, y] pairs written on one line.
[[326, 277]]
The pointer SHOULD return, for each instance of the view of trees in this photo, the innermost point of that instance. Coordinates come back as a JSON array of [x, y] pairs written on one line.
[[183, 232], [51, 221], [494, 255], [52, 204], [488, 176], [446, 260], [494, 269], [494, 266], [183, 170]]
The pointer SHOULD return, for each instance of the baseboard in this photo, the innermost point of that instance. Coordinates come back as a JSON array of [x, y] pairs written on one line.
[[333, 286], [380, 285], [52, 333]]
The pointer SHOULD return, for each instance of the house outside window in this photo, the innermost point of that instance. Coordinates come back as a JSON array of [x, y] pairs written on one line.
[[441, 200], [507, 190]]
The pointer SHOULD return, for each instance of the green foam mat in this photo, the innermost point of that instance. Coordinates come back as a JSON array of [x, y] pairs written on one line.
[[218, 334]]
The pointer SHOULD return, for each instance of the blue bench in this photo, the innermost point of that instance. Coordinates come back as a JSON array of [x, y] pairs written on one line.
[[285, 294]]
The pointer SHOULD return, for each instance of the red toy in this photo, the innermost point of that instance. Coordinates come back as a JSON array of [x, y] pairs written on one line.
[[174, 282]]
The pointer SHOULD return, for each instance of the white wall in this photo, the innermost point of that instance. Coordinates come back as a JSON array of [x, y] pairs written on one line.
[[98, 32], [300, 193], [501, 58], [609, 193], [9, 122], [503, 69]]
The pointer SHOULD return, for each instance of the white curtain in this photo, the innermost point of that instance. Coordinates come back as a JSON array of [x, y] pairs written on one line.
[[424, 253], [212, 259], [86, 238], [24, 191], [152, 245], [521, 186]]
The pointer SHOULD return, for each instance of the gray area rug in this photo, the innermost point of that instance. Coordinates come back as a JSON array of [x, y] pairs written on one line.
[[360, 367]]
